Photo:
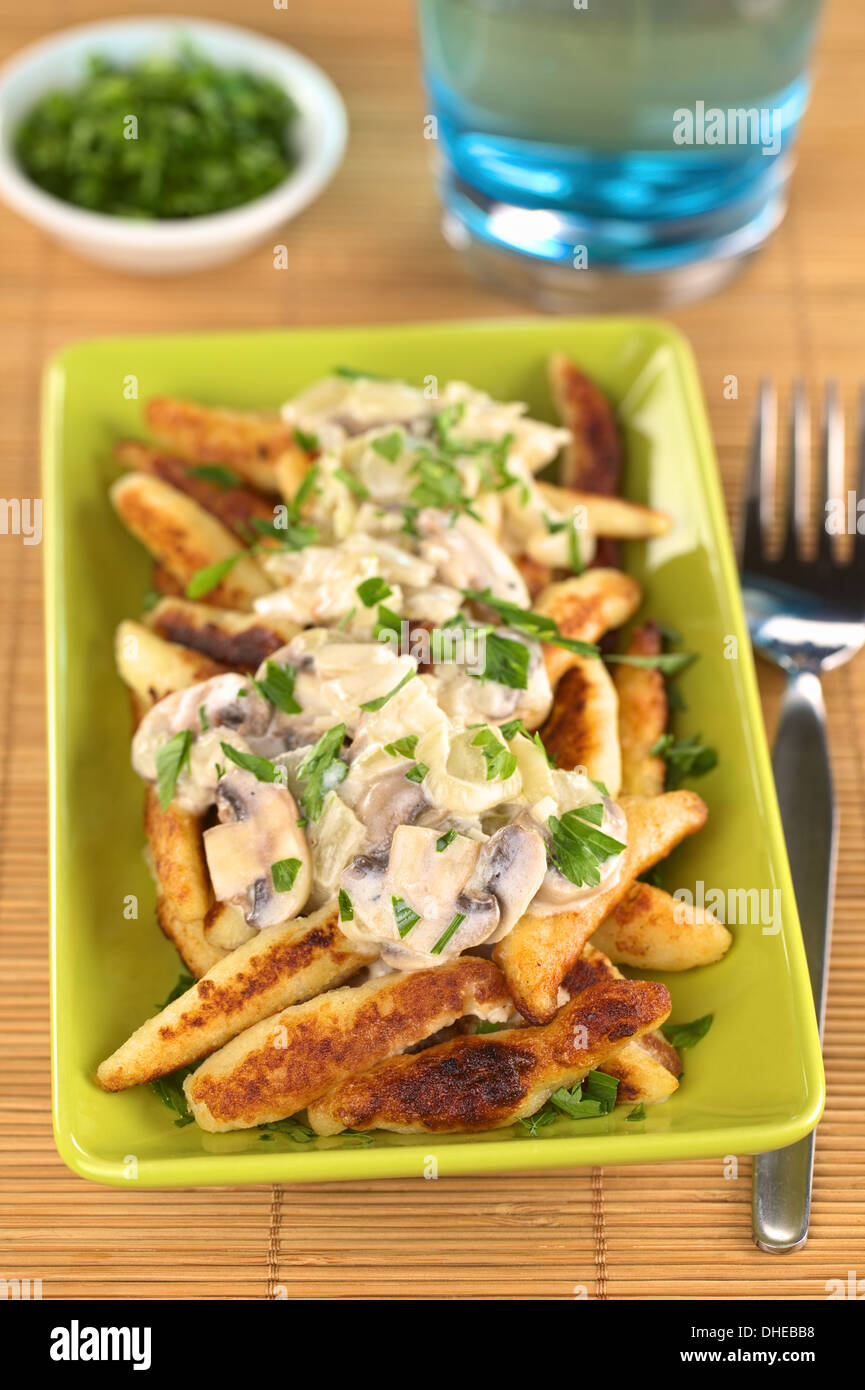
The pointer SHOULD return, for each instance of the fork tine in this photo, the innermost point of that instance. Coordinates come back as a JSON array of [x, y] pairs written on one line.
[[760, 484], [832, 471], [798, 473]]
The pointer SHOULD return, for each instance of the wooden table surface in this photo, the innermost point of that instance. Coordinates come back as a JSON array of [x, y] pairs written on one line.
[[370, 250]]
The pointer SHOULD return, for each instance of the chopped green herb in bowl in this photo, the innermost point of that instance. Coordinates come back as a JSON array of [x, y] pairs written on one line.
[[164, 138]]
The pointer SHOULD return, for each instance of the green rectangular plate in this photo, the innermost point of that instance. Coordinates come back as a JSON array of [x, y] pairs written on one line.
[[755, 1082]]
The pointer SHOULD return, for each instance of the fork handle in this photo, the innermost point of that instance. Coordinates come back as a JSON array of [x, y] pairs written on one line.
[[803, 778]]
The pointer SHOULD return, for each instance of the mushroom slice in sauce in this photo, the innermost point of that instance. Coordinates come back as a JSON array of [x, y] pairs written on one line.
[[227, 702], [258, 828], [467, 556], [511, 865]]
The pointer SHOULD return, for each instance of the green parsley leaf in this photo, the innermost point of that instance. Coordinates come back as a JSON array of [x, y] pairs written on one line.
[[484, 1026], [578, 847], [404, 916], [356, 374], [170, 1091], [402, 747], [539, 1120], [446, 839], [353, 484], [184, 982], [372, 591], [536, 625], [291, 1128], [684, 1035], [203, 719], [207, 579], [283, 873], [214, 473], [346, 911], [372, 705], [506, 661], [500, 761], [322, 769], [262, 768], [387, 621], [277, 686], [308, 442], [686, 757], [417, 773], [389, 446], [512, 728], [638, 1112], [171, 757], [455, 922]]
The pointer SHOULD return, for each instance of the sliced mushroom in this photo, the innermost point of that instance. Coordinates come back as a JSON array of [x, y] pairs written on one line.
[[467, 556], [470, 700], [258, 829], [388, 802], [227, 702], [511, 865]]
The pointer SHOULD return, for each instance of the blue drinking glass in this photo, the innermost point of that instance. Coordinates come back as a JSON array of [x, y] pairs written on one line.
[[614, 152]]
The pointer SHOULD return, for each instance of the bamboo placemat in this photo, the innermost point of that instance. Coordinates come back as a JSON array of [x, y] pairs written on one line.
[[370, 251]]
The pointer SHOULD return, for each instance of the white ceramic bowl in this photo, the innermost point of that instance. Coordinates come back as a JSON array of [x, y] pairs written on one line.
[[175, 245]]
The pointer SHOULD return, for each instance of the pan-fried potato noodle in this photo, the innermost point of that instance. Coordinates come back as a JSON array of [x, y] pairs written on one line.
[[384, 756]]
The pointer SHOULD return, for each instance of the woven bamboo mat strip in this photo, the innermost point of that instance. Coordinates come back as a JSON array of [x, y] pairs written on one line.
[[370, 251]]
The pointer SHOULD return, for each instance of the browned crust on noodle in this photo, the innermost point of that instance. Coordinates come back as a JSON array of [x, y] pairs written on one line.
[[244, 649], [236, 507], [486, 1081], [288, 1060], [593, 459]]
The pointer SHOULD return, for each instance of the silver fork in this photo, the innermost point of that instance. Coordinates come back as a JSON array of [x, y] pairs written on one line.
[[807, 616]]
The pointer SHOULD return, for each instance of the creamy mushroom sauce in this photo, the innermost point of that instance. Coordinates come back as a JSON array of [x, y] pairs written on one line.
[[438, 845]]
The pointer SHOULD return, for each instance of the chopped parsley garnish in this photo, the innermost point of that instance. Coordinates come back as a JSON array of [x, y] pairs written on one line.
[[506, 661], [284, 872], [293, 1129], [372, 591], [203, 719], [262, 768], [587, 1100], [291, 534], [307, 441], [575, 558], [389, 446], [484, 1026], [402, 747], [358, 374], [500, 761], [578, 847], [170, 1091], [353, 484], [346, 619], [214, 473], [452, 926], [171, 758], [683, 1035], [417, 773], [685, 757], [512, 728], [537, 625], [446, 839], [372, 705], [601, 786], [346, 911], [387, 621], [204, 580], [277, 686], [184, 982], [540, 1120], [322, 769], [638, 1112], [669, 663], [209, 136], [404, 916]]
